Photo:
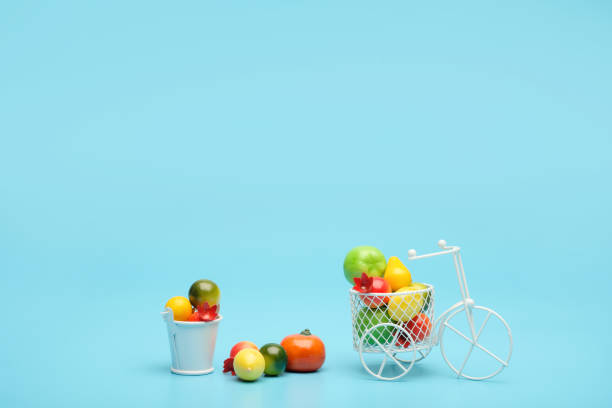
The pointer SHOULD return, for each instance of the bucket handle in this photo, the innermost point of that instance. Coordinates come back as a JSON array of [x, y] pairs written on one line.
[[168, 316]]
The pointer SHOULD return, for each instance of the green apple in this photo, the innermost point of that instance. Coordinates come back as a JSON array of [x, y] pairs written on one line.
[[364, 259], [367, 318]]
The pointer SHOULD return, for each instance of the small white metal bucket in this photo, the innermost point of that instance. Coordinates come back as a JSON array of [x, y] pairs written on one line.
[[192, 344]]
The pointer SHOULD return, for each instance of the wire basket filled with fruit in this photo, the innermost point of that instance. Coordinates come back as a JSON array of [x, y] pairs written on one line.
[[393, 318]]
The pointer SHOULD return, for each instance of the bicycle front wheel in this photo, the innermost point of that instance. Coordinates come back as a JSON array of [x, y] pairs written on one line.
[[476, 342]]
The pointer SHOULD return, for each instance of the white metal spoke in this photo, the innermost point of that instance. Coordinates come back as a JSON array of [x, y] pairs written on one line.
[[459, 333], [469, 353], [387, 352], [491, 354], [486, 320], [395, 337], [467, 357], [382, 365], [475, 343]]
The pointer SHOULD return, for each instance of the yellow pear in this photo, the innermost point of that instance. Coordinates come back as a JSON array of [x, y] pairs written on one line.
[[396, 274]]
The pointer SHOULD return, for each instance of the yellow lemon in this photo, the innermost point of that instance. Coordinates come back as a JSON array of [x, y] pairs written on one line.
[[405, 307], [397, 274], [249, 364], [181, 307]]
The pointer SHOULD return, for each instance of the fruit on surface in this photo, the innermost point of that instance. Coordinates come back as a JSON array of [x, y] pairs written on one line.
[[305, 352], [275, 357], [249, 364], [240, 346], [366, 284], [181, 308], [397, 274], [364, 259], [404, 307], [367, 318], [228, 364], [204, 290]]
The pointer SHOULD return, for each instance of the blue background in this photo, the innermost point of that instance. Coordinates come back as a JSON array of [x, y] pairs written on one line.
[[144, 145]]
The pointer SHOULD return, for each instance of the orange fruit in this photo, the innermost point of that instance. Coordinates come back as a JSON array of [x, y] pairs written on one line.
[[181, 307]]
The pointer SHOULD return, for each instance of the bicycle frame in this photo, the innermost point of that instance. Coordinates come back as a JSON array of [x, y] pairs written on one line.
[[467, 302]]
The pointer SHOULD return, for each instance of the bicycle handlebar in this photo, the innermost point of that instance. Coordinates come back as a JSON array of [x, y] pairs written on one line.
[[412, 254]]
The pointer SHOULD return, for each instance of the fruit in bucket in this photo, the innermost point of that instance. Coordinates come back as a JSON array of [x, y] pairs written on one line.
[[305, 352], [228, 364], [397, 274], [249, 364], [364, 259], [275, 357], [368, 318], [204, 313], [204, 290], [181, 308], [365, 284], [405, 307]]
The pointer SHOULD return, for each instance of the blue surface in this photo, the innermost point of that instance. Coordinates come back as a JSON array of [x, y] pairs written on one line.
[[144, 145]]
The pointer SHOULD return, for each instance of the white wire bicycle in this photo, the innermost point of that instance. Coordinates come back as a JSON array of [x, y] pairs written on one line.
[[398, 327]]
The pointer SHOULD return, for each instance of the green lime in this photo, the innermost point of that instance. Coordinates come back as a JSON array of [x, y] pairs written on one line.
[[202, 291], [275, 357]]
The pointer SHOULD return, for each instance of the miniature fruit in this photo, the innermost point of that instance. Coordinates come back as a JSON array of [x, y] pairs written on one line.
[[202, 291], [397, 274], [204, 313], [405, 307], [275, 357], [368, 318], [372, 285], [305, 352], [241, 346], [228, 364], [419, 327], [364, 259], [181, 308], [194, 317], [249, 364], [427, 299]]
